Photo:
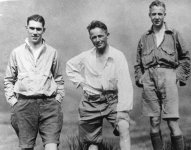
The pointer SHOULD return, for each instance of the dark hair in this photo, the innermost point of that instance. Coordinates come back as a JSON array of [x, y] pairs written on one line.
[[157, 3], [37, 18], [96, 24]]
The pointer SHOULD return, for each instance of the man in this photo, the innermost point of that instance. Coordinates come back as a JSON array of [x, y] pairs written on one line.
[[34, 88], [102, 72], [162, 62]]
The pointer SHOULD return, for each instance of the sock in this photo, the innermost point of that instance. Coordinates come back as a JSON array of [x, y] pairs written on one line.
[[156, 139], [177, 142]]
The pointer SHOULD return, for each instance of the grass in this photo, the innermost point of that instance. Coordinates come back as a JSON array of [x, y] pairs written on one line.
[[187, 145], [74, 143]]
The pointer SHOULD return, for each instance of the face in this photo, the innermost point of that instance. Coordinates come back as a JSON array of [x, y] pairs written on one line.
[[157, 15], [35, 31], [98, 37]]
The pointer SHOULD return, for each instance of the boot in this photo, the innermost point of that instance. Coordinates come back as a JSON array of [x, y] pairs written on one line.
[[177, 142], [156, 139]]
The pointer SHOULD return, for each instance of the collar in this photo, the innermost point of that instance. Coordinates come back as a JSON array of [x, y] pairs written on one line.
[[167, 29], [43, 46], [109, 54]]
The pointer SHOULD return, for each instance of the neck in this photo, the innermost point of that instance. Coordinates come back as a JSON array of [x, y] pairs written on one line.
[[101, 52], [35, 45], [158, 29]]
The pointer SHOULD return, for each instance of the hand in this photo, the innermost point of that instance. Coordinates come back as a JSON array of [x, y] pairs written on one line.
[[140, 81], [14, 100], [58, 98], [82, 85], [14, 105]]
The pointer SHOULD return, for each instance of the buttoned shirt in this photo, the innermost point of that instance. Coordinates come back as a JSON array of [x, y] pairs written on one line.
[[114, 76], [171, 53], [33, 77]]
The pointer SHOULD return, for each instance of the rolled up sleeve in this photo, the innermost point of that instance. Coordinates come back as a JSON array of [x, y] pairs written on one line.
[[125, 88], [73, 69]]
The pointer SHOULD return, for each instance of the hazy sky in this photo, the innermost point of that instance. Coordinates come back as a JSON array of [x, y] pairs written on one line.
[[66, 22]]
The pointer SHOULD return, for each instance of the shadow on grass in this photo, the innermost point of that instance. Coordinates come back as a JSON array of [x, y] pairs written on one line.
[[74, 143]]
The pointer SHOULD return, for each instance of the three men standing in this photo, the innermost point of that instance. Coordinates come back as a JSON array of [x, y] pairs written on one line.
[[103, 74], [162, 62], [34, 87]]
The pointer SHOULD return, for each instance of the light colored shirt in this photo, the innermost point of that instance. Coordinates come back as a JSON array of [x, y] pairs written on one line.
[[28, 77], [35, 52], [115, 75]]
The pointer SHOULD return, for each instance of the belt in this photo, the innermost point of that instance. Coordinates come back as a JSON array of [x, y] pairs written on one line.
[[101, 95], [34, 96], [161, 66], [105, 92]]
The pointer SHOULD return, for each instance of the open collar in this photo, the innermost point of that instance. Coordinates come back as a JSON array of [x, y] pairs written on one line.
[[167, 29], [28, 46], [109, 54]]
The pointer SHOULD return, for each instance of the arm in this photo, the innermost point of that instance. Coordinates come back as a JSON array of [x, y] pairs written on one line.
[[73, 69], [125, 88], [58, 78], [183, 70], [138, 66], [10, 79]]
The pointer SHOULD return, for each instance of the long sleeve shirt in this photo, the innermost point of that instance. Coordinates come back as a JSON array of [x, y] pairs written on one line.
[[172, 53], [115, 75], [33, 77]]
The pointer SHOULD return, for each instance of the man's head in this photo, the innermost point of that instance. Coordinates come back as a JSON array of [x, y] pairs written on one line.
[[35, 28], [157, 13], [98, 34]]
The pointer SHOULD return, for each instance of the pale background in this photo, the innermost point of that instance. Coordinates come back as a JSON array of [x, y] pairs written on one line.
[[66, 22]]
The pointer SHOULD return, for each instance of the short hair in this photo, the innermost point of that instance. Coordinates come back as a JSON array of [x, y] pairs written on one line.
[[96, 24], [37, 18], [157, 3]]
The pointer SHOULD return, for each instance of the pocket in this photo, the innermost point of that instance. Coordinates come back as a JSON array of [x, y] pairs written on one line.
[[147, 56], [168, 55], [147, 51], [168, 51], [14, 123], [82, 109]]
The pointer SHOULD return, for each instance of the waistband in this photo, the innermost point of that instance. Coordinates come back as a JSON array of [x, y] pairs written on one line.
[[34, 96], [101, 96], [160, 66]]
